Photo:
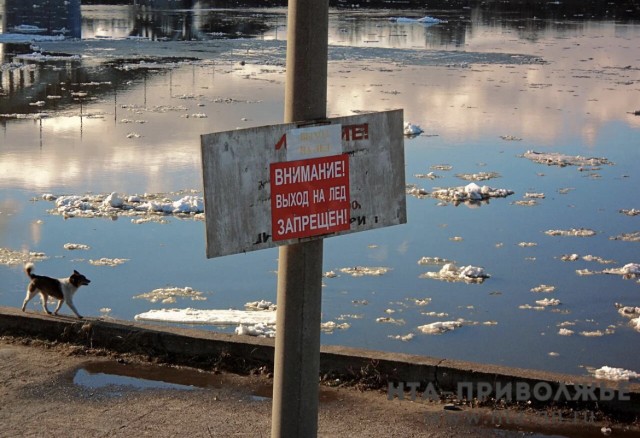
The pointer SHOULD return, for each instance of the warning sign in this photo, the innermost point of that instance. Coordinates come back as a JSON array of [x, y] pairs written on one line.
[[310, 197], [283, 184]]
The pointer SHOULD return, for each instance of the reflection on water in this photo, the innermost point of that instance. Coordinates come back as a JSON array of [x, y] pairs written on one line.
[[98, 124], [41, 17]]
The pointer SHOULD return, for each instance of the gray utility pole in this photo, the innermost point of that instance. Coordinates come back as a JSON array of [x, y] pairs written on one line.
[[297, 351]]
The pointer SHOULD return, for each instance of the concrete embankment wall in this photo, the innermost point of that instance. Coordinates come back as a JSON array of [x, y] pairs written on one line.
[[372, 368]]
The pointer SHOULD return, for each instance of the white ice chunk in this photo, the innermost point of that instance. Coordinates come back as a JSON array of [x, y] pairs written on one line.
[[450, 272], [260, 305], [360, 271], [73, 246], [260, 330], [611, 373], [436, 328], [113, 200], [628, 269], [211, 316], [548, 302], [411, 129]]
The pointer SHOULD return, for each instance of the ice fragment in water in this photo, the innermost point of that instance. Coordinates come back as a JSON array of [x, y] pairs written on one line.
[[439, 327], [611, 373]]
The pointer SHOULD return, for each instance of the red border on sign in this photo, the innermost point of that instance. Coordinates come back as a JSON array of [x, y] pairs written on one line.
[[310, 197]]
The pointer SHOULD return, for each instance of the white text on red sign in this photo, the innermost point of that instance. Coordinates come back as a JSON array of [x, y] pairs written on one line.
[[310, 197]]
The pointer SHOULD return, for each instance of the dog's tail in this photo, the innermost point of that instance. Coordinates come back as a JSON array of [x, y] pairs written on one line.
[[28, 268]]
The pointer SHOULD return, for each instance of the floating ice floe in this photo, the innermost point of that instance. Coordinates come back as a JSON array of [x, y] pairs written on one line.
[[526, 202], [627, 237], [411, 130], [74, 246], [434, 261], [27, 38], [557, 159], [331, 326], [548, 302], [530, 307], [444, 167], [260, 305], [565, 332], [632, 212], [471, 193], [114, 205], [574, 232], [630, 270], [450, 272], [588, 258], [424, 20], [211, 317], [414, 190], [403, 338], [430, 175], [611, 373], [543, 288], [10, 257], [349, 316], [259, 330], [628, 311], [480, 176], [439, 327], [361, 271], [597, 333], [435, 314], [104, 261], [633, 313], [169, 295], [592, 258], [389, 320]]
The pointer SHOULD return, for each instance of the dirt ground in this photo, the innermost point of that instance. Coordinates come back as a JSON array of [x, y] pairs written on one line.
[[57, 389]]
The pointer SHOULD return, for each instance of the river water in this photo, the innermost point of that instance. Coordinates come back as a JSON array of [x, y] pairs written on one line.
[[125, 115]]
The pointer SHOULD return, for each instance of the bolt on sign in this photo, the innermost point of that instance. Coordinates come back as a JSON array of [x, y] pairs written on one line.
[[288, 183]]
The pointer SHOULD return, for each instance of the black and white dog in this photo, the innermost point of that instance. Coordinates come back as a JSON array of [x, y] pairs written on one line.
[[61, 289]]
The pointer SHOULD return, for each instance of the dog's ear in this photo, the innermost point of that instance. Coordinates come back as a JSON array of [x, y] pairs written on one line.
[[76, 272]]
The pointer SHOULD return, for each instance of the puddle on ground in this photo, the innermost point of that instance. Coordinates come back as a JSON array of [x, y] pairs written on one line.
[[112, 375], [98, 375]]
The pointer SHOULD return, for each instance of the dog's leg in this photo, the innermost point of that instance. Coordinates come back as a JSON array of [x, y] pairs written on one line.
[[31, 292], [44, 303], [71, 306], [55, 312]]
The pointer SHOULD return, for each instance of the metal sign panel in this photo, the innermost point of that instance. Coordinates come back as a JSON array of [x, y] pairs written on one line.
[[258, 195]]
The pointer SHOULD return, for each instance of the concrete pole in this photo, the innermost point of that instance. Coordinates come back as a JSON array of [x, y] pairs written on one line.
[[297, 352]]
